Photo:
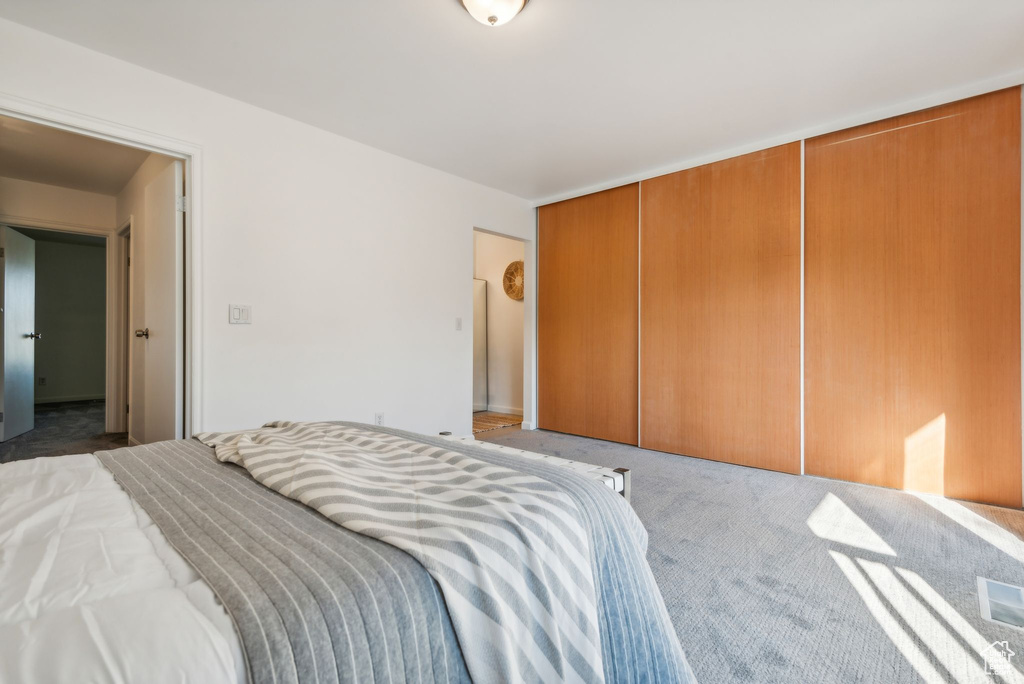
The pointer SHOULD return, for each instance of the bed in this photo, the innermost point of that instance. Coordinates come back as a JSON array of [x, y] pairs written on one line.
[[258, 556]]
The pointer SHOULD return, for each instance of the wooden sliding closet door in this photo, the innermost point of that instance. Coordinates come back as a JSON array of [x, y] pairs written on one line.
[[720, 311], [913, 376], [587, 315]]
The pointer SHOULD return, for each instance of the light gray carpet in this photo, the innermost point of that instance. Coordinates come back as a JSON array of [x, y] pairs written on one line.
[[61, 429], [756, 596]]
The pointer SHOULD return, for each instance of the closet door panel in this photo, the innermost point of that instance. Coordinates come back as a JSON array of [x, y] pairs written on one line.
[[587, 315], [720, 308], [673, 359], [561, 321], [850, 279], [913, 302]]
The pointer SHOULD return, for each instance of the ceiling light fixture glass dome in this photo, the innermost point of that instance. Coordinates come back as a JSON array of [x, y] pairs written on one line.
[[494, 12]]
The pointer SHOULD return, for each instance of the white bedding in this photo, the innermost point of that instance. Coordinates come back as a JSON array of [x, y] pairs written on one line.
[[91, 591]]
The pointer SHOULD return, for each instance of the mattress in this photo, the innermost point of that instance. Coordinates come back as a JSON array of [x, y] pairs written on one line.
[[91, 591]]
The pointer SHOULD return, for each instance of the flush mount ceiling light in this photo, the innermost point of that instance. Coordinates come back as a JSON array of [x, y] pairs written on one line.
[[494, 12]]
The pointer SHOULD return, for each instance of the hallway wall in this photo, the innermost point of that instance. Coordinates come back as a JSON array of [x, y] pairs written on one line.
[[37, 202], [71, 315], [491, 255]]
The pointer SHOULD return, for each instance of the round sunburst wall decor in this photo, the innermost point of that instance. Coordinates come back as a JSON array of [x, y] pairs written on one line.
[[513, 280]]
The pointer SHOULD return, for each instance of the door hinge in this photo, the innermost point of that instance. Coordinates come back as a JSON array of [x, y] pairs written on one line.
[[127, 408], [129, 262], [181, 203], [1, 416], [1, 252]]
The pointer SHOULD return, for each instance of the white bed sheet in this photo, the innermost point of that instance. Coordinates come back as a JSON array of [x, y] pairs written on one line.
[[91, 591]]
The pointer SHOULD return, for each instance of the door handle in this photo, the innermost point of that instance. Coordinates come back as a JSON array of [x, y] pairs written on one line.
[[34, 336], [142, 333]]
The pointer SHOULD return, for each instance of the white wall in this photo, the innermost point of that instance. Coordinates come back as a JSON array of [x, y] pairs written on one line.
[[492, 254], [356, 262], [33, 203], [71, 315]]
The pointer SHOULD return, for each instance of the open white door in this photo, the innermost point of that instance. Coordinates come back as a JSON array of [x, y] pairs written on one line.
[[160, 344], [19, 322]]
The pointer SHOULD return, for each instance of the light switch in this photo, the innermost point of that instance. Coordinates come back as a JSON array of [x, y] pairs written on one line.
[[239, 314]]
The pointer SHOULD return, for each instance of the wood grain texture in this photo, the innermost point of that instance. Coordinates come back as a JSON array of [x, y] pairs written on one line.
[[720, 311], [587, 315], [912, 370]]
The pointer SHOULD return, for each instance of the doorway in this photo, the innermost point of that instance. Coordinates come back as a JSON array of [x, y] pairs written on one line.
[[54, 321], [61, 190], [498, 320]]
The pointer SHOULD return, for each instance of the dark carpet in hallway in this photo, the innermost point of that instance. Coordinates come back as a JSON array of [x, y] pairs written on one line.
[[67, 428]]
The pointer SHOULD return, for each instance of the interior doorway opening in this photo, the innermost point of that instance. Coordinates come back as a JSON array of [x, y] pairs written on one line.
[[498, 324], [98, 229], [54, 320]]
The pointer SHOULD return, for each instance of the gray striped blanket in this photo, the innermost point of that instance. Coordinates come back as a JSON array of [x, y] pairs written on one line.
[[508, 549], [315, 602], [311, 601]]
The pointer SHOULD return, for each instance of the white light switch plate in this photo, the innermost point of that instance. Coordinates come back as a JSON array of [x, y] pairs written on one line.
[[240, 314]]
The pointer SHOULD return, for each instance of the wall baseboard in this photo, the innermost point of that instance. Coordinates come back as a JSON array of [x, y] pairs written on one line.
[[133, 442], [80, 397], [506, 409]]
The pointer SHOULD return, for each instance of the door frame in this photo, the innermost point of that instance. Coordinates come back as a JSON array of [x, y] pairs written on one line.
[[122, 346], [487, 379], [113, 290], [191, 154], [529, 315]]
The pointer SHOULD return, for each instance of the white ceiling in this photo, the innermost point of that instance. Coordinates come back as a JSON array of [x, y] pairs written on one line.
[[41, 154], [571, 94]]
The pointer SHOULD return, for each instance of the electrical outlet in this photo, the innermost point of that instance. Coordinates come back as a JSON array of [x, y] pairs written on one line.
[[378, 418], [42, 382], [458, 324]]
